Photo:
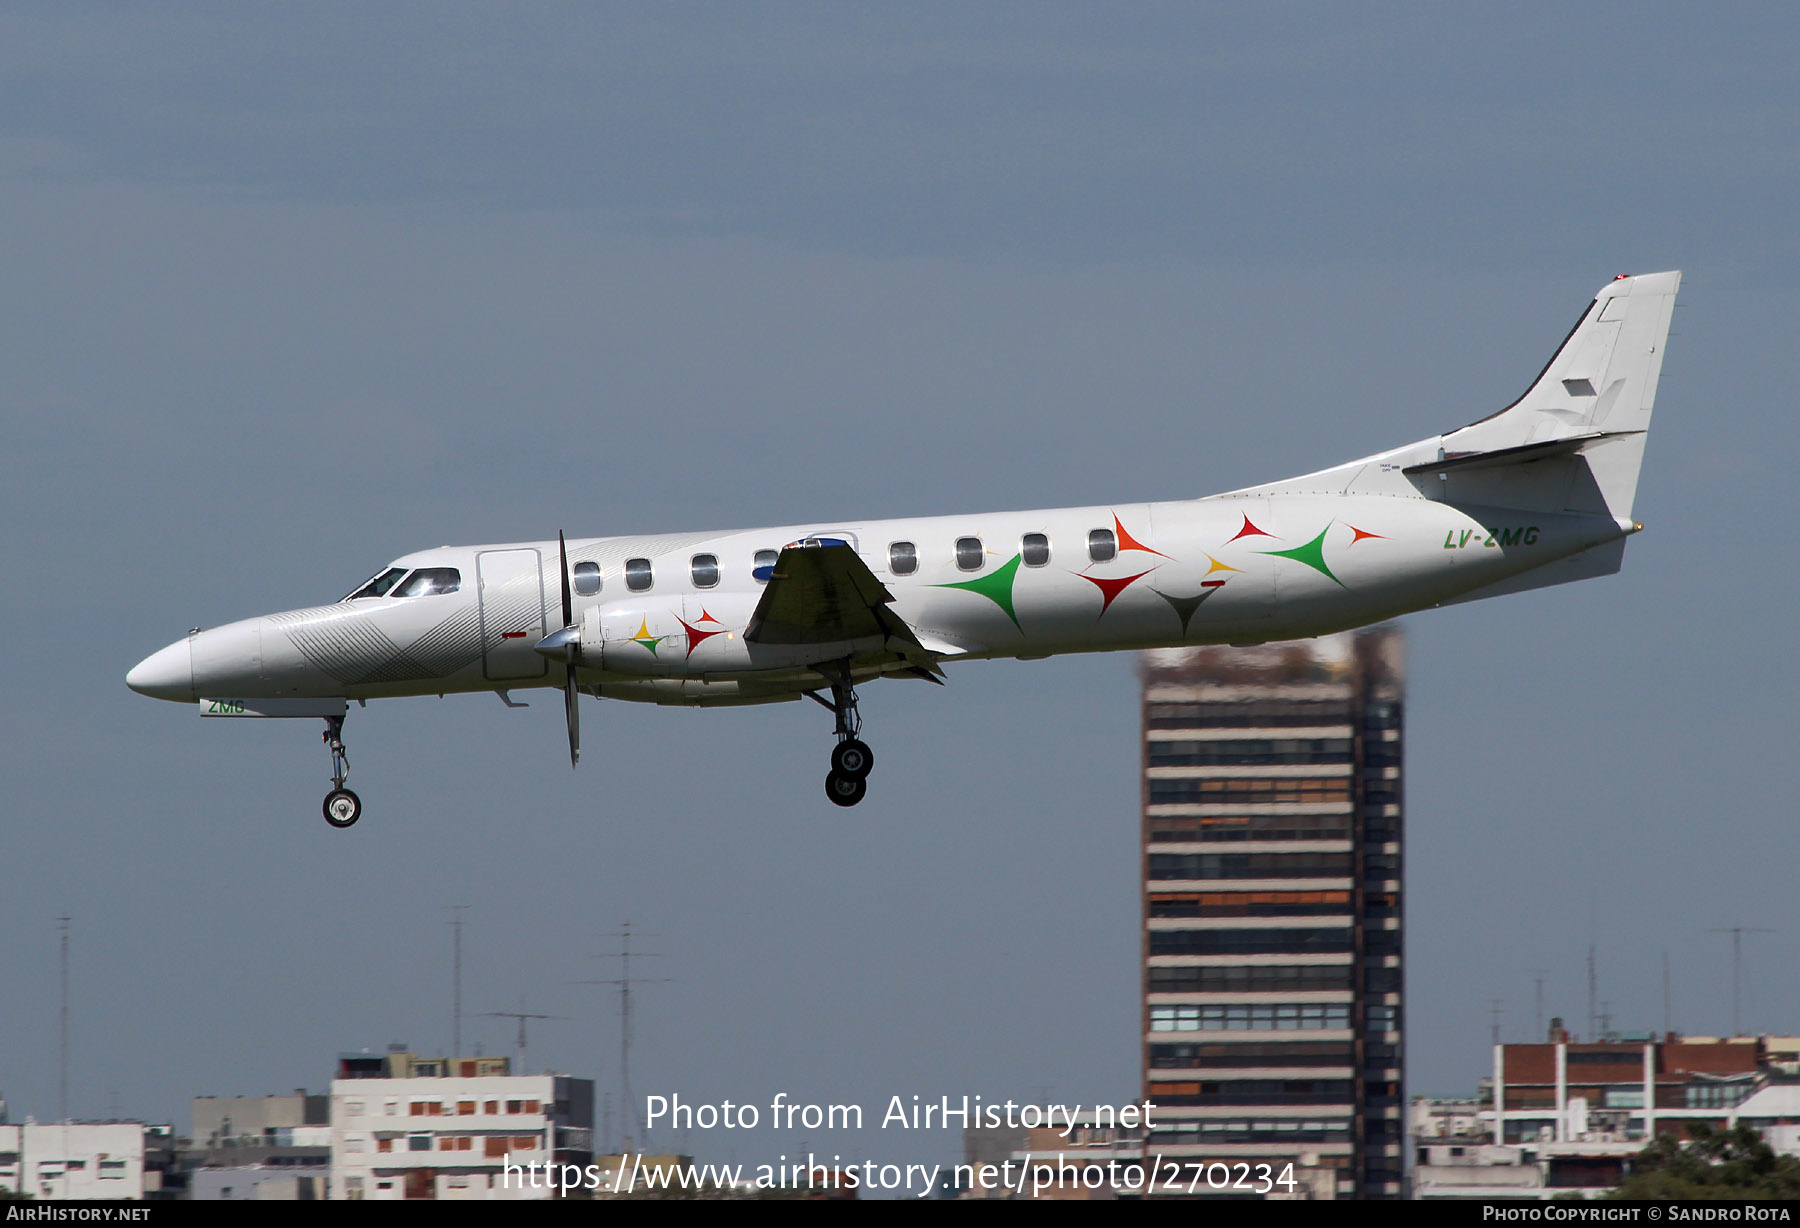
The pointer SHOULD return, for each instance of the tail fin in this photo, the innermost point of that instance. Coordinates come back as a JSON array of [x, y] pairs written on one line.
[[1593, 398]]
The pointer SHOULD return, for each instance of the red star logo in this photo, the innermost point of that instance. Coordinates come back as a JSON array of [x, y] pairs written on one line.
[[1249, 530], [1110, 589], [1128, 542], [697, 637]]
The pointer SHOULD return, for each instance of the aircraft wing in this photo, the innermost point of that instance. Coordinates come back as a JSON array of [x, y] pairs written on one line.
[[825, 594]]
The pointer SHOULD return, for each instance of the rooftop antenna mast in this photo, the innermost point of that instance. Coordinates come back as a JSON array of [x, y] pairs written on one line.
[[1593, 995], [1537, 1019], [62, 1027], [1496, 1007], [1668, 1027], [521, 1015], [624, 981], [456, 928], [1737, 933]]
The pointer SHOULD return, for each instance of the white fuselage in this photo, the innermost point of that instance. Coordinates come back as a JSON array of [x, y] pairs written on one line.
[[1226, 569]]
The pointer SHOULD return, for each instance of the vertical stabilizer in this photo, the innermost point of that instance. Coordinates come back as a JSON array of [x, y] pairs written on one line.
[[1598, 387]]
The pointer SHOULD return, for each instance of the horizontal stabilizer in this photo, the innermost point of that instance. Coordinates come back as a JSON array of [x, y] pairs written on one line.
[[1523, 454]]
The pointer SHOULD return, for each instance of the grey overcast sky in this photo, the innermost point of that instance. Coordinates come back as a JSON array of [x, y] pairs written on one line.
[[286, 292]]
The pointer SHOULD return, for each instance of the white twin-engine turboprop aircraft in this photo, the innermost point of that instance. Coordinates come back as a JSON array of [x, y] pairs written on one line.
[[1537, 494]]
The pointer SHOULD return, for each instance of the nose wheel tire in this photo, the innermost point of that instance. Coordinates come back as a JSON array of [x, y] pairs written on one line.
[[342, 808], [845, 790], [852, 757]]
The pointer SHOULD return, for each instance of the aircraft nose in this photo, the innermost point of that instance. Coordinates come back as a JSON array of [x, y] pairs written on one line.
[[167, 673]]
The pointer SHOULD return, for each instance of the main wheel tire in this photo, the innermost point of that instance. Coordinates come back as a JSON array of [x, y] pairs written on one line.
[[845, 790], [342, 808], [852, 758]]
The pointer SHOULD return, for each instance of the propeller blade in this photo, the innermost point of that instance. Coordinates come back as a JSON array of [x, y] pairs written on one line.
[[562, 548], [567, 644], [572, 711]]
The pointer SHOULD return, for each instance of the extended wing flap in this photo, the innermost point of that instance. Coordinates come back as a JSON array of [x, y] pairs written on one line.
[[827, 594], [819, 594]]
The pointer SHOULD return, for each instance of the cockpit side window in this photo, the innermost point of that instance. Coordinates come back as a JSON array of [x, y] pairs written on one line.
[[429, 580], [379, 586]]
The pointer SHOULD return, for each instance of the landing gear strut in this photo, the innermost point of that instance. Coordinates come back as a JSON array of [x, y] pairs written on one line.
[[851, 758], [342, 807]]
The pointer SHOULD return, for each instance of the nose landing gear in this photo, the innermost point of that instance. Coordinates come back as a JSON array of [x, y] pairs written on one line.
[[851, 758], [342, 807]]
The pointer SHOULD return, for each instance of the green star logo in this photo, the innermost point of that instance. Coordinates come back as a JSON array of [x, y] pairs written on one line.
[[1312, 554], [996, 586]]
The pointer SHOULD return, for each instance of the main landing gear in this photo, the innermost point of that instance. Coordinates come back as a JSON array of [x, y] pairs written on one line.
[[851, 758], [342, 807]]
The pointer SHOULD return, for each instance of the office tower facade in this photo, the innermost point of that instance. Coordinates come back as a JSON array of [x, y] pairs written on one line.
[[1272, 822]]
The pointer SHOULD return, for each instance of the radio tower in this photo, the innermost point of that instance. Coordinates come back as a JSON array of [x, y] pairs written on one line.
[[1667, 1026], [1537, 1020], [624, 981], [456, 928], [1737, 933], [1593, 995], [62, 1026]]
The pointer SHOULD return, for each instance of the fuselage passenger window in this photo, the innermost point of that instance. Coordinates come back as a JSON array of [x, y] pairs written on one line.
[[1102, 545], [638, 576], [1036, 549], [587, 578], [705, 570], [429, 580], [968, 553], [763, 566], [903, 558]]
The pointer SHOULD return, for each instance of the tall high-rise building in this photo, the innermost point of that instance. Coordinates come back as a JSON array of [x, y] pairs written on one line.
[[1272, 906]]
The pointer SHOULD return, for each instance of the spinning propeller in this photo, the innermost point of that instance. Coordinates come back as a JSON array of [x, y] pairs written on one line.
[[565, 646]]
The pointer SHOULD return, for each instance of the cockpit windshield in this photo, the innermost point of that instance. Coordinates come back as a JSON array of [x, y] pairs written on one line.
[[379, 586], [429, 580], [425, 582]]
